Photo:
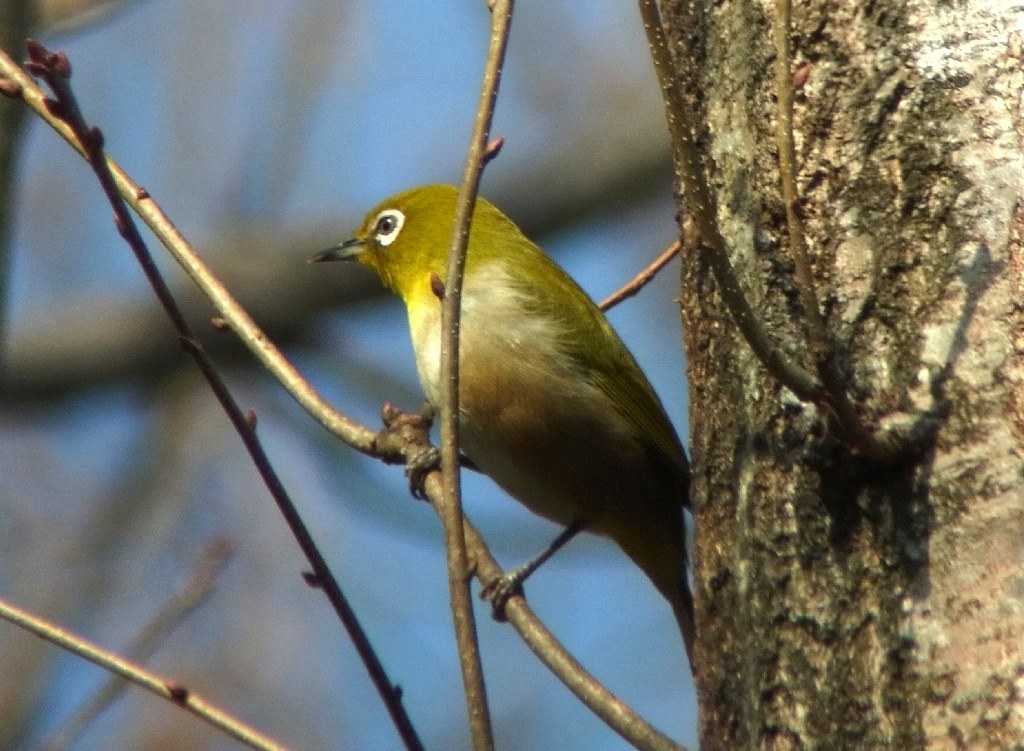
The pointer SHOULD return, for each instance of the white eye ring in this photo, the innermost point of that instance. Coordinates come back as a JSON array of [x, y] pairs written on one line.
[[387, 225]]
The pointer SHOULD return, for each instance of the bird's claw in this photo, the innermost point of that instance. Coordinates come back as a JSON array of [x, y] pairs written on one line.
[[419, 466], [499, 589]]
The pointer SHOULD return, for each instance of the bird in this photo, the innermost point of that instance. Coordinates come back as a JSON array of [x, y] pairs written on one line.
[[552, 405]]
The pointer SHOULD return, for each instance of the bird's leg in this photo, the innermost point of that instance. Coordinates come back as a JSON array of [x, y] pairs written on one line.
[[498, 590]]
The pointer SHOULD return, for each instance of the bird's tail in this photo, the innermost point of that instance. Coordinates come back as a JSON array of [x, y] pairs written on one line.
[[682, 606]]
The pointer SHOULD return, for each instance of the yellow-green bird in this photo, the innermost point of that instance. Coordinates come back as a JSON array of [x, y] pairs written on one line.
[[553, 407]]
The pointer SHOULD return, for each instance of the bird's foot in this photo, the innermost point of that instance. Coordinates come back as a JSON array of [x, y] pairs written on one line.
[[498, 590], [419, 466]]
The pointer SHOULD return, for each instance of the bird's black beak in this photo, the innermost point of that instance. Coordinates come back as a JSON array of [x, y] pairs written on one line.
[[344, 252]]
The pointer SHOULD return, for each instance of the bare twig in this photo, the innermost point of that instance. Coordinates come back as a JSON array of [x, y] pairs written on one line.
[[193, 593], [55, 69], [170, 690], [698, 198], [822, 351], [643, 278], [451, 512]]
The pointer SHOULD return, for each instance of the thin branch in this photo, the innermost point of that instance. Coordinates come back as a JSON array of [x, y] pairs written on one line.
[[405, 435], [698, 198], [824, 355], [642, 279], [170, 690], [191, 595], [56, 70], [451, 511]]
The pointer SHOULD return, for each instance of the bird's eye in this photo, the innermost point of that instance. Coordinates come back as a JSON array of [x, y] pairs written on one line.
[[387, 226]]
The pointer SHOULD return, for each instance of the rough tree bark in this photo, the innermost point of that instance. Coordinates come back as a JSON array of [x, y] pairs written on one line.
[[843, 604]]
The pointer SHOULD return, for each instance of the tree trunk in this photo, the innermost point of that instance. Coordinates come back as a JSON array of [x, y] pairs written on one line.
[[842, 604]]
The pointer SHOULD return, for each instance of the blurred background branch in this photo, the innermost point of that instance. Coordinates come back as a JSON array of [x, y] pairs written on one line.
[[192, 593], [173, 692]]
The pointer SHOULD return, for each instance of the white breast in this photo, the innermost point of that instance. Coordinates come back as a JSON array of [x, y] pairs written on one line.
[[493, 323]]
